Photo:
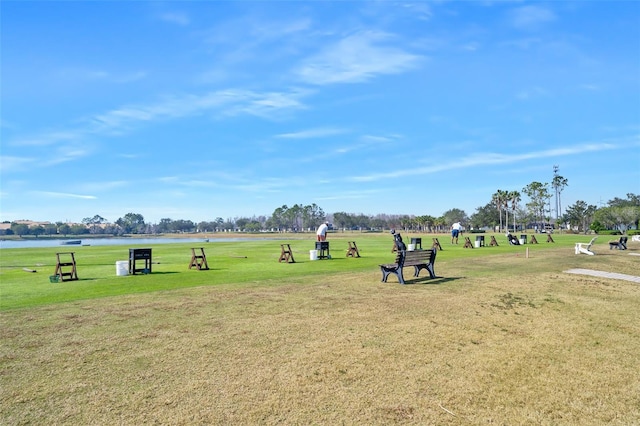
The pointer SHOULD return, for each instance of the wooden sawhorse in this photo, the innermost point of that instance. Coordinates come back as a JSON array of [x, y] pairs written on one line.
[[199, 261], [493, 242], [533, 240], [71, 275], [467, 243], [353, 250], [549, 239], [286, 255], [436, 245]]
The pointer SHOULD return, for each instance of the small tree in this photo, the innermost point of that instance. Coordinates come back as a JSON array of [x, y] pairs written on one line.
[[20, 229], [132, 223], [580, 214], [538, 194], [455, 215]]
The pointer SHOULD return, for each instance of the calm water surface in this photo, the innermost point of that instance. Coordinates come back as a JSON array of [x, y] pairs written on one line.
[[115, 242]]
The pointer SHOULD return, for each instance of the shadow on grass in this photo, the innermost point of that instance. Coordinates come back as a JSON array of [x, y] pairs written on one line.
[[428, 280], [121, 276], [153, 273]]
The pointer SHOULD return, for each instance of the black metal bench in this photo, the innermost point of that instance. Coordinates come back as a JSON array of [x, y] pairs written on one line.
[[419, 259], [620, 244]]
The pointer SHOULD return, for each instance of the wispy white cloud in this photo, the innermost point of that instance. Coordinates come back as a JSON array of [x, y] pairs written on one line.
[[93, 75], [245, 40], [62, 195], [530, 93], [375, 139], [590, 87], [420, 10], [531, 17], [268, 105], [319, 132], [362, 144], [472, 46], [391, 12], [276, 30], [356, 59], [13, 163], [350, 195], [179, 18], [522, 43], [66, 153], [130, 77], [488, 159], [4, 124], [270, 185], [168, 179], [247, 33], [129, 156], [48, 138], [102, 186]]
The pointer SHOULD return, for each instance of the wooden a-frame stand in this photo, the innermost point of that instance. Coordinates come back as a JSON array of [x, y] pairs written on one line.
[[286, 255], [353, 250], [198, 261], [71, 275]]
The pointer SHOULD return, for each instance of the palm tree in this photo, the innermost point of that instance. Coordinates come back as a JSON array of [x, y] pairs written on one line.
[[558, 183], [505, 205], [514, 198], [499, 198]]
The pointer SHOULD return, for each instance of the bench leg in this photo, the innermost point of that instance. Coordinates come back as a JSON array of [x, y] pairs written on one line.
[[385, 274], [396, 271], [428, 267], [431, 270], [416, 270]]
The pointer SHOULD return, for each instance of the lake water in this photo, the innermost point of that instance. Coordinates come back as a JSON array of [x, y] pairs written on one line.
[[114, 242]]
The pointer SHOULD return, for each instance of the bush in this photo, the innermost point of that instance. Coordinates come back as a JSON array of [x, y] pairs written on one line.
[[608, 232]]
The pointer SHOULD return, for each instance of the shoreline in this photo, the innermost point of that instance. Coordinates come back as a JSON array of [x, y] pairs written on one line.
[[196, 235]]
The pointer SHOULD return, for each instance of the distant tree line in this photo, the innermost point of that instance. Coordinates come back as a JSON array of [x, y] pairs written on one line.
[[503, 212]]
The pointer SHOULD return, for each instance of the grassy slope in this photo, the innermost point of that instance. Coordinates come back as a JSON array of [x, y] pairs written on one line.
[[499, 339]]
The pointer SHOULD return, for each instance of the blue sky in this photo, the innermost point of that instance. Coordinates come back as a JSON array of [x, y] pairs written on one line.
[[198, 110]]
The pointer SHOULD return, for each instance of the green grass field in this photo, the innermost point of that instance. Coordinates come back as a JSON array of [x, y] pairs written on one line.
[[499, 338], [240, 263]]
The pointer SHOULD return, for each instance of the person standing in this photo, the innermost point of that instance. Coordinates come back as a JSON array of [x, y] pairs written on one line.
[[321, 233], [455, 231]]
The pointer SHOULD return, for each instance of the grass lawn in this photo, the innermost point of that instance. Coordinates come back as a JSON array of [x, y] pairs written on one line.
[[500, 338]]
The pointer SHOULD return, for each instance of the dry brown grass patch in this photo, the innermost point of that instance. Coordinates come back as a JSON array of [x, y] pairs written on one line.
[[540, 348]]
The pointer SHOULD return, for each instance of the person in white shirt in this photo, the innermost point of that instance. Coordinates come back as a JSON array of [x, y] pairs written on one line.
[[321, 233], [455, 231]]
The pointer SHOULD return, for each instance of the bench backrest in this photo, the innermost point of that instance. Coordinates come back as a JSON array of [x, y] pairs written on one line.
[[400, 258], [427, 256]]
